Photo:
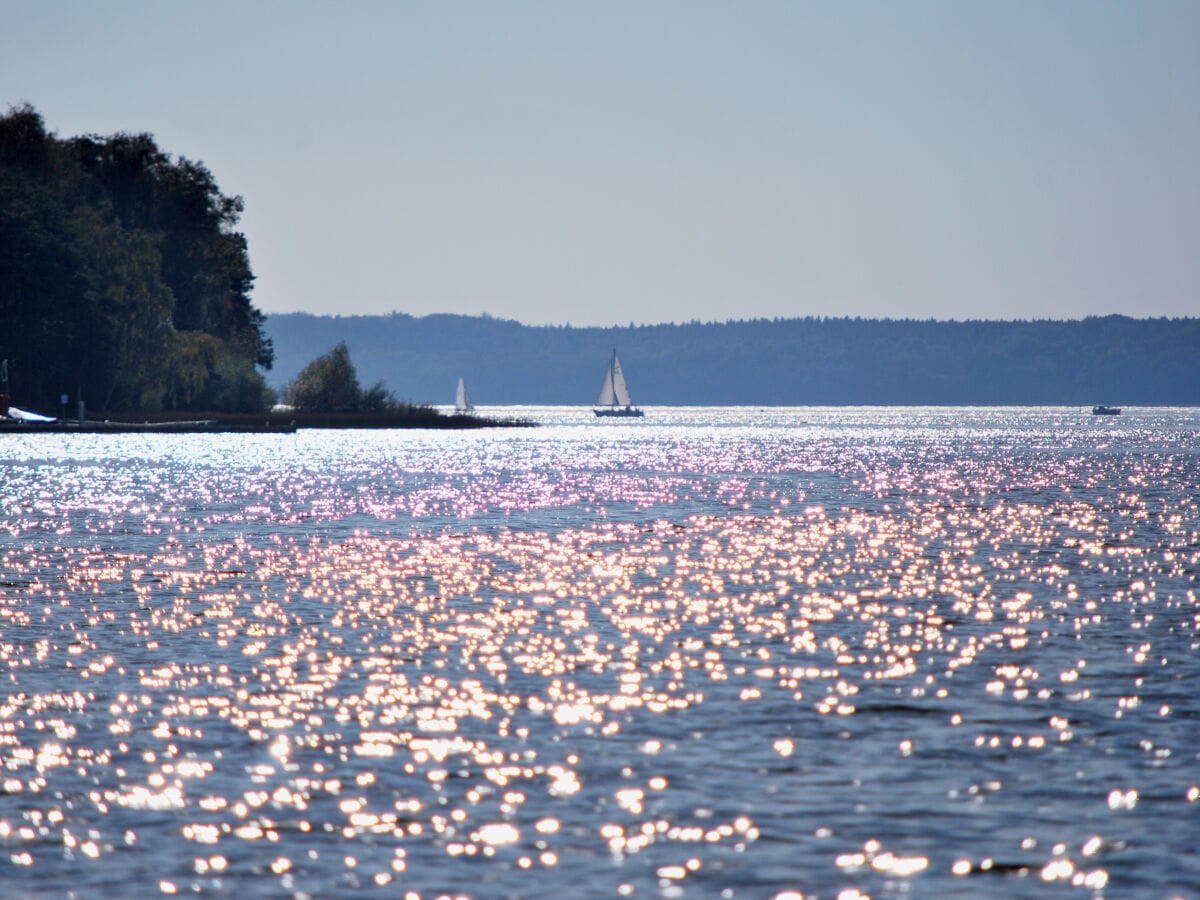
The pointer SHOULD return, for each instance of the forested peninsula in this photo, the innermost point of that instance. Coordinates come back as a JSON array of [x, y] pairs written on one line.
[[123, 279], [808, 361]]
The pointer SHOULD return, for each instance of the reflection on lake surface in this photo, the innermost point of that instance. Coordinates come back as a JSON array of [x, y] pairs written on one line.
[[717, 652]]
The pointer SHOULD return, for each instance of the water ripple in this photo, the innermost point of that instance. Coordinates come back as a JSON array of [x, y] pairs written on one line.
[[754, 653]]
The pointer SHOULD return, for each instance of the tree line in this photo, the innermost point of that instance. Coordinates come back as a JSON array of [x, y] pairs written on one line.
[[802, 361], [123, 279]]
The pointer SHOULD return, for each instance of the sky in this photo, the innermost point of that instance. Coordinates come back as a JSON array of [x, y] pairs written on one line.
[[627, 161]]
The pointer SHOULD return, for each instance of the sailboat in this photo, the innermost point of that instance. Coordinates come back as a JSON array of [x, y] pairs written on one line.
[[614, 399], [462, 401]]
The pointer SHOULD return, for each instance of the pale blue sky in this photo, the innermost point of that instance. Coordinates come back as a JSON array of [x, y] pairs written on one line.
[[663, 161]]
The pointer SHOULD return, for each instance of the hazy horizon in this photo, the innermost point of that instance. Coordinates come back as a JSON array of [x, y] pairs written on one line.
[[726, 321], [602, 165]]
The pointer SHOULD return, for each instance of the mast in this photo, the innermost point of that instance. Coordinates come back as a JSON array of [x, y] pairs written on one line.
[[612, 376]]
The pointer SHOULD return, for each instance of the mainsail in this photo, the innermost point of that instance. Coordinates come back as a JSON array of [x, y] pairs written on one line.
[[462, 402], [614, 391]]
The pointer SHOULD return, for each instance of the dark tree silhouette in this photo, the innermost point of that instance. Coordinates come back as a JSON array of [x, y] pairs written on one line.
[[122, 277]]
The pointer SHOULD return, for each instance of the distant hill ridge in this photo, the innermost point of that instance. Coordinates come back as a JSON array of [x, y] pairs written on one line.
[[763, 362]]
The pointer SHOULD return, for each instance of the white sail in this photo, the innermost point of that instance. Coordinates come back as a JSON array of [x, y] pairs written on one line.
[[614, 391], [614, 400], [462, 402]]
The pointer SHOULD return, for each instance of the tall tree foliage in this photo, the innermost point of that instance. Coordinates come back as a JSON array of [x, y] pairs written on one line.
[[122, 277]]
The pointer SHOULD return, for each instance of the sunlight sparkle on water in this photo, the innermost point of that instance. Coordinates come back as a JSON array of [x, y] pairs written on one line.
[[662, 665]]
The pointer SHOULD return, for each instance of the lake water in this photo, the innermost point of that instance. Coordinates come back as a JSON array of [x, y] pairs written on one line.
[[711, 653]]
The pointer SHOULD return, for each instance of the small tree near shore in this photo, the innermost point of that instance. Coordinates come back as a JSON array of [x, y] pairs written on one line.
[[329, 384]]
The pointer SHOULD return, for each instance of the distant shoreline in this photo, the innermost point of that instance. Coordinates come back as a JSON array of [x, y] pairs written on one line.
[[794, 362]]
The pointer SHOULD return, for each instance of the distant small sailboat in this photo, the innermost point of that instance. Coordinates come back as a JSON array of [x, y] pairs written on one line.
[[614, 399], [1106, 410], [462, 400]]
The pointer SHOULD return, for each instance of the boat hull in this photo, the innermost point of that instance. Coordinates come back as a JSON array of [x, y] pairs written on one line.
[[1106, 410], [619, 412]]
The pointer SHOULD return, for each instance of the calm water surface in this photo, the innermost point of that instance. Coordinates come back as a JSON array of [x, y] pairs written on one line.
[[717, 652]]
